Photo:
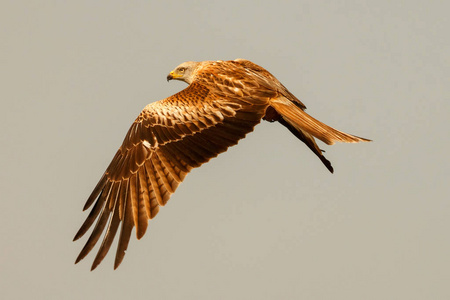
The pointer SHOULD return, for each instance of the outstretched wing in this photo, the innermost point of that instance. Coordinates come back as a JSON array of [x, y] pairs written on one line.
[[168, 139]]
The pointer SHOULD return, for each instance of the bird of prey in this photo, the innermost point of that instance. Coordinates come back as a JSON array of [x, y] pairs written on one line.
[[223, 102]]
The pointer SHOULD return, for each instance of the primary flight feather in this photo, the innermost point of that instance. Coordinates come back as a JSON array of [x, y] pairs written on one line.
[[223, 102]]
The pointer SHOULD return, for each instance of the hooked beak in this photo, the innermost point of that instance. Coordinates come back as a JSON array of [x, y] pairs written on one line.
[[173, 75]]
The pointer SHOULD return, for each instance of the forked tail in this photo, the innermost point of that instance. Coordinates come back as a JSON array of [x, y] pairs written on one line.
[[304, 122], [305, 127]]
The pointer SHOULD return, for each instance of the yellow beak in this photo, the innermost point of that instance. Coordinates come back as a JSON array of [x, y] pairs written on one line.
[[173, 75]]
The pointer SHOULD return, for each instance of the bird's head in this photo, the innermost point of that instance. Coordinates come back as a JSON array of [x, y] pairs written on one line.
[[184, 72]]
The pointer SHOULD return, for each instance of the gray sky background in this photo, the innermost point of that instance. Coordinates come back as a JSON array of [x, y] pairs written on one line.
[[264, 220]]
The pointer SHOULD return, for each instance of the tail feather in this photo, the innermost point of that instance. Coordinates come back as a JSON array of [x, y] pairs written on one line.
[[306, 128], [301, 120]]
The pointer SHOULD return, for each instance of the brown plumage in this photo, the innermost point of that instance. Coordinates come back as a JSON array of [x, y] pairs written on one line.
[[223, 102]]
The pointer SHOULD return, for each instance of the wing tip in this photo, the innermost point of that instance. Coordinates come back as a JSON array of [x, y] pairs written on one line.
[[95, 265], [79, 258], [76, 237], [141, 232], [327, 163], [118, 260]]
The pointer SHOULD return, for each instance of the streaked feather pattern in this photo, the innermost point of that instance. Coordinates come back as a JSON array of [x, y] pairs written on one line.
[[223, 102]]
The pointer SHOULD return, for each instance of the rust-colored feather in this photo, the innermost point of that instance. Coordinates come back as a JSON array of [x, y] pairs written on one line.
[[109, 236], [300, 119], [224, 101], [125, 233]]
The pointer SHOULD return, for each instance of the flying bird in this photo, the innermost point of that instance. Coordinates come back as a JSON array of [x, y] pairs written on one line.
[[223, 102]]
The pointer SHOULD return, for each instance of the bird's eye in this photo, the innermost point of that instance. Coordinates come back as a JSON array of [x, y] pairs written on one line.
[[181, 69]]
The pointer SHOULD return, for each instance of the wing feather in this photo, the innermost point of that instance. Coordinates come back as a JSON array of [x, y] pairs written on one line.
[[161, 173], [268, 77], [168, 165], [153, 182], [142, 211], [171, 154], [168, 139], [113, 196], [183, 153], [109, 236], [93, 238], [125, 232], [143, 192], [97, 190], [134, 201], [90, 219], [95, 211], [154, 206]]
